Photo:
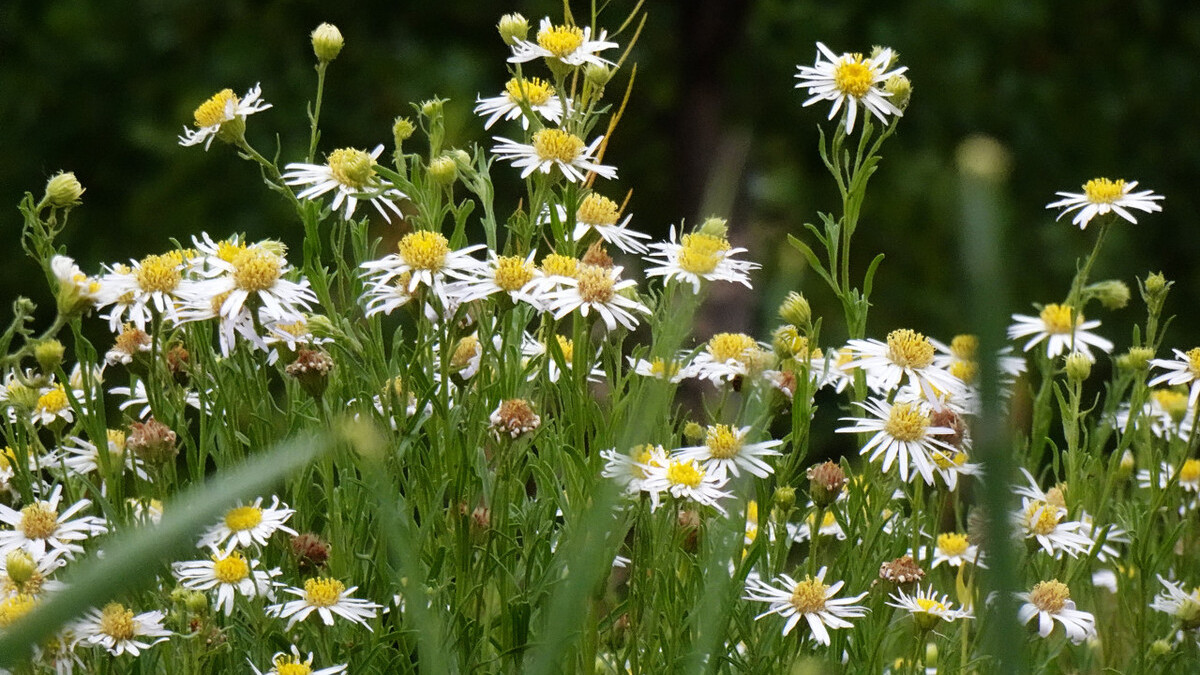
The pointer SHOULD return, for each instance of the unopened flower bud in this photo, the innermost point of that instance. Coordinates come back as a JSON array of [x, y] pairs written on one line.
[[327, 42], [1125, 468], [1138, 358], [694, 432], [900, 88], [443, 170], [1078, 366], [795, 310], [1161, 647], [63, 190], [1113, 294], [152, 441], [20, 567], [597, 74], [513, 27], [826, 482], [432, 108], [402, 130], [1156, 284], [784, 498], [196, 602], [49, 354], [715, 227]]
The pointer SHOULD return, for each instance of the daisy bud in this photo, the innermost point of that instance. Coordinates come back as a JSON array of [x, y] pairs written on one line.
[[20, 567], [715, 227], [462, 159], [826, 482], [1078, 366], [1154, 290], [598, 75], [402, 130], [152, 441], [49, 354], [310, 551], [63, 190], [327, 42], [1113, 294], [432, 108], [795, 310], [443, 170], [1125, 468], [1161, 647], [784, 498], [900, 88], [1138, 358], [513, 27], [196, 602], [694, 432], [311, 369]]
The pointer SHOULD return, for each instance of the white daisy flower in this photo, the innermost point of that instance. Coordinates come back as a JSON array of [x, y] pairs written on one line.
[[282, 664], [351, 172], [228, 574], [502, 274], [955, 549], [1167, 413], [727, 356], [40, 530], [423, 258], [84, 457], [137, 396], [683, 479], [926, 608], [1100, 196], [1181, 605], [725, 451], [1062, 334], [551, 148], [1183, 369], [1188, 480], [1050, 601], [600, 214], [850, 80], [119, 630], [245, 525], [217, 112], [905, 354], [326, 597], [75, 288], [951, 465], [534, 92], [599, 289], [571, 45], [32, 574], [903, 432], [697, 257], [1044, 522], [627, 470], [673, 370], [153, 283], [54, 404], [829, 527], [811, 600], [536, 354], [252, 281]]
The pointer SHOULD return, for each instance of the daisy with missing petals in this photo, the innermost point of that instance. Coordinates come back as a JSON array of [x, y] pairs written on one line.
[[351, 172], [681, 478], [228, 574], [954, 549], [535, 93], [39, 529], [599, 289], [1100, 196], [699, 256], [811, 600], [903, 432], [1185, 607], [730, 355], [570, 45], [725, 451], [245, 525], [1062, 328], [551, 148], [326, 597], [1183, 369], [119, 630], [601, 214], [422, 258], [1050, 601], [223, 116], [153, 283], [850, 80], [627, 470], [282, 664], [926, 609], [905, 354]]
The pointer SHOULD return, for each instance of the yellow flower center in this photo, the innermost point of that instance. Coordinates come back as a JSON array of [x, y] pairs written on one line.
[[561, 41], [38, 521], [231, 569], [424, 250], [722, 441], [555, 264], [256, 270], [323, 591], [1057, 319], [952, 543], [53, 401], [597, 210], [964, 346], [292, 665], [661, 368], [212, 111], [928, 604], [1103, 190], [945, 460], [1190, 473], [1042, 518], [1193, 357], [229, 249], [466, 349], [243, 518], [352, 168], [595, 284], [117, 622], [909, 349], [906, 422], [535, 90], [853, 77], [966, 371], [729, 346], [513, 272], [297, 329], [1174, 403], [808, 596], [684, 473], [1050, 596], [14, 607], [567, 347], [701, 253], [557, 145], [159, 273]]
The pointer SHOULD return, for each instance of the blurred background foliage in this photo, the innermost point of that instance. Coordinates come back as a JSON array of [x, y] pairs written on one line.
[[1074, 90]]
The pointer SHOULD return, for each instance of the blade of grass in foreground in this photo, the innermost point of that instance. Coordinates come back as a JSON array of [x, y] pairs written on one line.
[[134, 557]]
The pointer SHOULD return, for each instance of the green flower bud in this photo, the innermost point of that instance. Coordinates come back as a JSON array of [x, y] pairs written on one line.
[[432, 108], [49, 355], [327, 42], [1078, 366], [1113, 294], [513, 27], [443, 170], [694, 432], [597, 74], [715, 227], [20, 566], [1138, 358], [402, 130], [900, 88], [63, 190], [795, 310], [784, 498]]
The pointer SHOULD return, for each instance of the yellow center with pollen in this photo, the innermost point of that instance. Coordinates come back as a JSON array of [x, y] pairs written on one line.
[[38, 521], [946, 460], [297, 329], [1057, 319], [906, 422], [231, 569], [229, 249], [557, 145], [14, 607], [808, 597], [966, 371], [597, 210], [964, 346], [684, 473], [351, 167], [555, 264], [513, 272], [53, 401], [1050, 596], [424, 250], [1190, 473], [159, 273], [700, 253], [1193, 357], [853, 77], [534, 90], [243, 518], [930, 605], [952, 543], [1041, 518], [722, 441], [212, 111], [117, 622], [595, 284], [661, 368], [561, 41], [1174, 403], [466, 350], [909, 349], [729, 346], [291, 665], [256, 270], [1103, 190], [323, 591]]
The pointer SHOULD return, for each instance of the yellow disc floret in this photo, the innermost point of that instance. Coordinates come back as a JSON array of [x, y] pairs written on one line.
[[513, 272], [722, 441], [534, 90], [1190, 473], [1050, 596], [595, 284], [597, 210], [952, 543], [38, 521], [1103, 190], [906, 422], [14, 607], [1057, 319], [726, 347], [556, 264], [909, 349], [159, 273], [557, 145], [561, 41], [1042, 518], [256, 270], [243, 518], [323, 591], [351, 167], [808, 596], [230, 569], [292, 665], [684, 473], [213, 111], [117, 622], [424, 250], [701, 253], [53, 401], [853, 77]]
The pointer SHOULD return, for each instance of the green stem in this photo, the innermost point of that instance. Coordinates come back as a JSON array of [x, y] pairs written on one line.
[[316, 115]]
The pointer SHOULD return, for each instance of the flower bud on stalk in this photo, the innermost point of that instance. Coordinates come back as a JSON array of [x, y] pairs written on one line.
[[327, 42]]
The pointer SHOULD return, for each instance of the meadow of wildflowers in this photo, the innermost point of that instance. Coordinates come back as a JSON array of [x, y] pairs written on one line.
[[447, 435]]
